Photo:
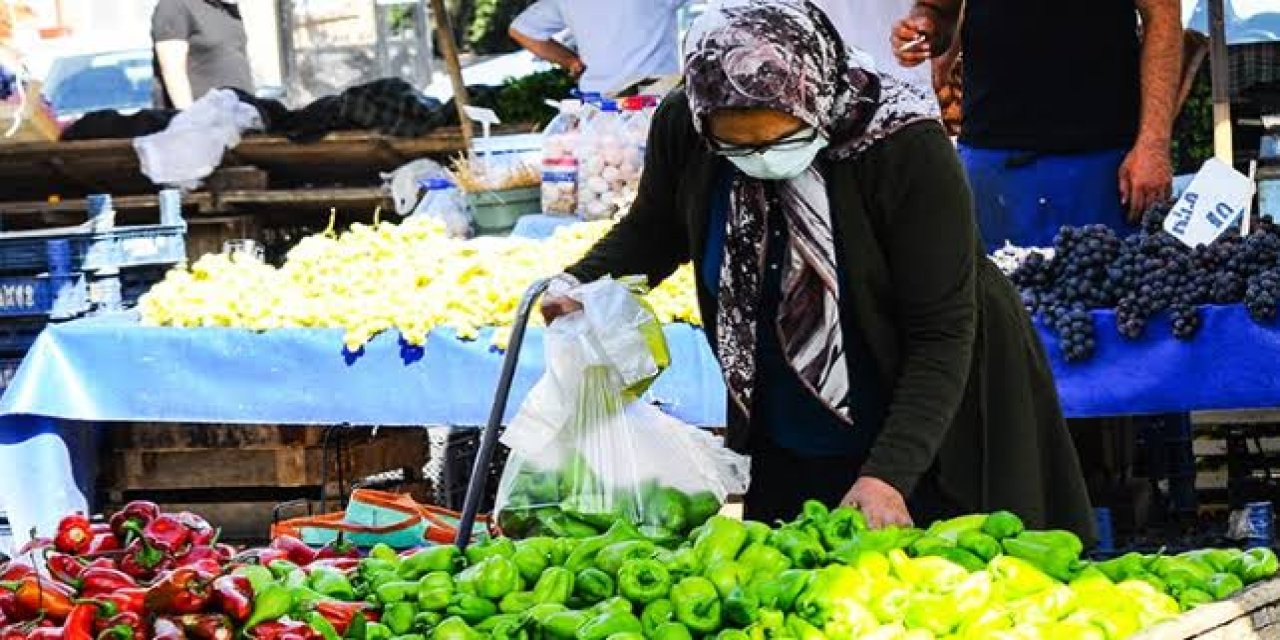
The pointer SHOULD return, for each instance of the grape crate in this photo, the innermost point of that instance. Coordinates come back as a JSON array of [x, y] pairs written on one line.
[[1146, 276]]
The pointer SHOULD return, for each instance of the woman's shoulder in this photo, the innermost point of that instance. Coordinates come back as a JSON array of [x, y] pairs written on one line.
[[922, 136], [674, 116]]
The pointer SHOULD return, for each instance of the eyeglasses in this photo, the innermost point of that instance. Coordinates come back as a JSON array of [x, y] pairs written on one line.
[[794, 141]]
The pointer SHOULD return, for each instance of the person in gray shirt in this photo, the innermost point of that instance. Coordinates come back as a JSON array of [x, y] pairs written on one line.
[[199, 45]]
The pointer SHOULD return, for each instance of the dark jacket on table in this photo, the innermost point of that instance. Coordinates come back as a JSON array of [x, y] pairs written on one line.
[[973, 398]]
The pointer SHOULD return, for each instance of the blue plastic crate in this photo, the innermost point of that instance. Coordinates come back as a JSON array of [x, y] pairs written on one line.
[[58, 297], [18, 334], [26, 252], [138, 246], [8, 369]]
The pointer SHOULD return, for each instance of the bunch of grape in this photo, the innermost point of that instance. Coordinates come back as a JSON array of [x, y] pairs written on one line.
[[1144, 275]]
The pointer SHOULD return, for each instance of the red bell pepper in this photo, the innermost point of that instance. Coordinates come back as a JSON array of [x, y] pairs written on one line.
[[339, 548], [226, 551], [199, 531], [340, 614], [103, 543], [15, 632], [167, 534], [79, 624], [201, 554], [143, 561], [180, 591], [341, 564], [296, 551], [134, 517], [9, 606], [259, 556], [167, 629], [132, 600], [74, 534], [99, 581], [123, 626], [37, 596], [279, 630], [102, 563], [15, 570], [234, 596], [209, 626], [64, 568]]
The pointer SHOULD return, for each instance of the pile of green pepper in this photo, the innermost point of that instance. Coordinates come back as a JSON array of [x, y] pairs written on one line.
[[825, 575]]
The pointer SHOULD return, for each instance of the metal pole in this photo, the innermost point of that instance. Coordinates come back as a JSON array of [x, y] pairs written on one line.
[[1218, 72], [489, 439]]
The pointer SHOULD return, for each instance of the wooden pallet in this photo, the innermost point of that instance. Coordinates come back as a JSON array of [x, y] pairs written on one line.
[[1255, 613]]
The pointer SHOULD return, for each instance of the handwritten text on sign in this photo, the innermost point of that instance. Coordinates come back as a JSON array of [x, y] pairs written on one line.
[[1215, 200]]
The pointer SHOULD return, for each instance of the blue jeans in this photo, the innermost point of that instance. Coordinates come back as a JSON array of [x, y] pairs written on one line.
[[1024, 197]]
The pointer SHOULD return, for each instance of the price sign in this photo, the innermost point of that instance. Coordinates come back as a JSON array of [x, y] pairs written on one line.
[[1216, 198]]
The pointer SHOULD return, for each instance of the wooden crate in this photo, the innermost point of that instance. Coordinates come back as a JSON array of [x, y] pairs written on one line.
[[1255, 613]]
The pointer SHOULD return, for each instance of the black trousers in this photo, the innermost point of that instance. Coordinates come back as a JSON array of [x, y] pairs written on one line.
[[781, 480]]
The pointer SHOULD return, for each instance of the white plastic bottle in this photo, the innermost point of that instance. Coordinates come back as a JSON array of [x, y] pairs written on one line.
[[560, 161], [444, 202], [602, 151], [635, 135]]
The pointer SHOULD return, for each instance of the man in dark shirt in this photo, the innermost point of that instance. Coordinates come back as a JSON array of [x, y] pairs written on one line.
[[199, 45], [1067, 109]]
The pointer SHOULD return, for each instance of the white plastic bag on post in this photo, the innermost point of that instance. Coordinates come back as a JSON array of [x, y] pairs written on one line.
[[587, 453], [191, 147]]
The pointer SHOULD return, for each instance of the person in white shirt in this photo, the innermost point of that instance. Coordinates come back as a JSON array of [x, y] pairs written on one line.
[[619, 41], [863, 25]]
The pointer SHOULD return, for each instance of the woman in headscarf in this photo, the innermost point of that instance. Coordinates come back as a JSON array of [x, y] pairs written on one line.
[[872, 354]]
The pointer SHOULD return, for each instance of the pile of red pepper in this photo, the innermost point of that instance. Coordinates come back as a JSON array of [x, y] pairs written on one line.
[[144, 574]]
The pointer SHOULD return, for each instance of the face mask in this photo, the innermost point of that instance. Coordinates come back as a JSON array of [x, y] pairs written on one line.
[[779, 164]]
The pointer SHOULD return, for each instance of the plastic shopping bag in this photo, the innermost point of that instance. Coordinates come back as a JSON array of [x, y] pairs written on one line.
[[587, 452]]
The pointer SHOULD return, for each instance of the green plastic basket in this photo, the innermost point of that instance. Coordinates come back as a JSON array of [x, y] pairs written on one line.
[[496, 212]]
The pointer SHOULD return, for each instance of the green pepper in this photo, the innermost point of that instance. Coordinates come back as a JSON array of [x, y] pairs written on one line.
[[430, 560], [1219, 559], [929, 545], [491, 578], [660, 536], [321, 625], [593, 585], [611, 558], [761, 561], [961, 557], [702, 506], [377, 631], [454, 628], [950, 530], [1128, 566], [1018, 577], [472, 609], [772, 624], [617, 604], [597, 510], [487, 625], [435, 598], [655, 614], [1224, 585], [831, 586], [802, 630], [627, 635], [281, 569], [358, 629], [878, 540], [667, 508], [517, 602], [331, 582], [271, 603], [1255, 565], [979, 544], [757, 532], [257, 575], [531, 562], [1182, 573], [782, 591], [556, 523], [385, 553], [726, 576], [720, 541], [399, 591], [802, 549], [1002, 524], [1052, 554], [732, 634], [606, 624], [840, 526], [697, 603], [564, 625], [398, 616], [1189, 599], [509, 628], [425, 621], [436, 580], [555, 586], [684, 562], [489, 548], [585, 553], [670, 631], [539, 613], [741, 608], [643, 581]]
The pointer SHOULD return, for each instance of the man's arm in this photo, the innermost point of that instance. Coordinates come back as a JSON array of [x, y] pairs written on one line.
[[551, 51], [934, 20], [1146, 175], [172, 55]]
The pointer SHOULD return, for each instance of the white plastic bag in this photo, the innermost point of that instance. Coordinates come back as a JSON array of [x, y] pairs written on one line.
[[586, 452], [191, 147]]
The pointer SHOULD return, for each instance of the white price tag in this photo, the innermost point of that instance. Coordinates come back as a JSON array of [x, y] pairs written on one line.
[[1215, 200], [482, 115]]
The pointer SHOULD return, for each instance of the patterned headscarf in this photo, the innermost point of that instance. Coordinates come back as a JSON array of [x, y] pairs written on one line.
[[785, 55]]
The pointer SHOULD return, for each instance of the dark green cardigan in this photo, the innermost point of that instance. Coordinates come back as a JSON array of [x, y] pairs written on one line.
[[972, 394]]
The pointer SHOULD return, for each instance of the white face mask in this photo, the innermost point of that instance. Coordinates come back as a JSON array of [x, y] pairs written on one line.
[[779, 164]]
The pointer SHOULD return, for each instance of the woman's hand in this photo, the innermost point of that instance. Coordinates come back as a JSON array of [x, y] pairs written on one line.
[[554, 306], [879, 502]]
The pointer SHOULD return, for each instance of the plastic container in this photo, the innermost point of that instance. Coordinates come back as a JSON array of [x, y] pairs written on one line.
[[496, 212], [443, 201], [560, 161], [102, 214], [609, 168], [59, 252]]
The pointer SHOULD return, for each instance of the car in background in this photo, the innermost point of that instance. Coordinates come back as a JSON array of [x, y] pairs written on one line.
[[85, 82]]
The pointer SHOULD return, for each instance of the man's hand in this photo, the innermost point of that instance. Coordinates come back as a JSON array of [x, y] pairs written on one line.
[[576, 67], [556, 306], [1146, 178], [879, 502], [912, 39]]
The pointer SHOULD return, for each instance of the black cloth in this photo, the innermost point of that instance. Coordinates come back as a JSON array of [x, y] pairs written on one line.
[[1052, 77], [218, 54], [106, 125], [782, 480], [970, 390]]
